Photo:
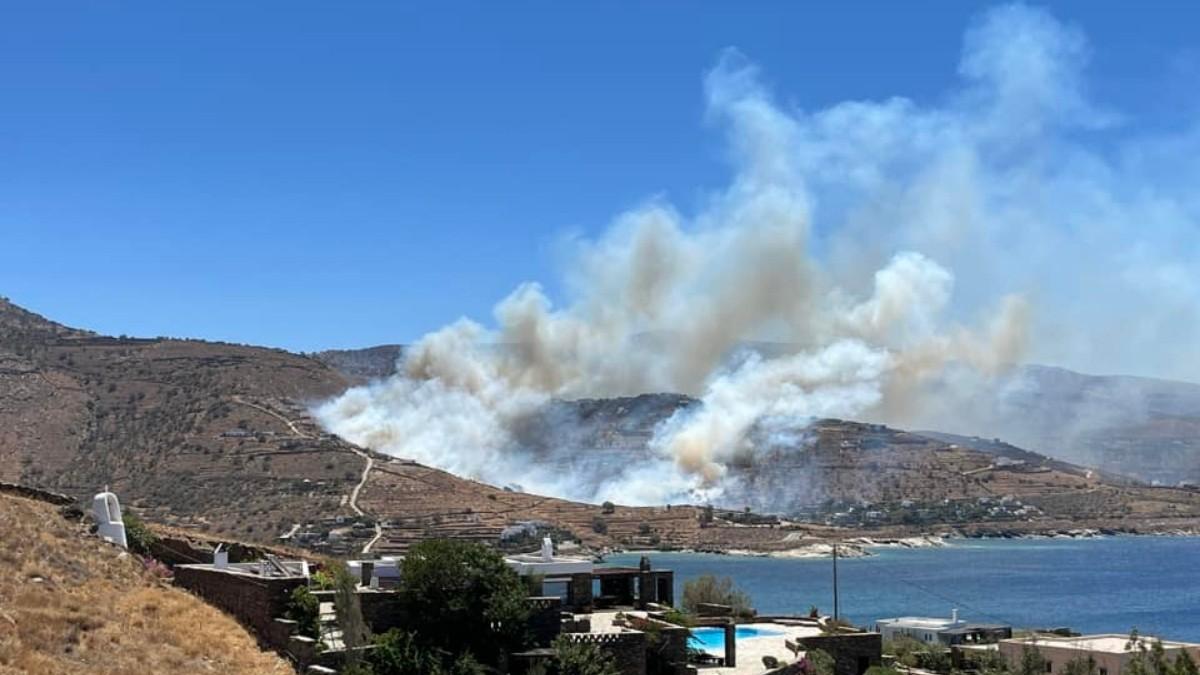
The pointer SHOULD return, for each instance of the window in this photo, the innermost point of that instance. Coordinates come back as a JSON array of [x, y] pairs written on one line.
[[1049, 666], [1104, 671]]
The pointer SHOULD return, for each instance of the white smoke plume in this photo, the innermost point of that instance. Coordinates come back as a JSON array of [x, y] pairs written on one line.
[[887, 244]]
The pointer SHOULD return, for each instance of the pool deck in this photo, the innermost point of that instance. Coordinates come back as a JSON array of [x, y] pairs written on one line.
[[751, 650]]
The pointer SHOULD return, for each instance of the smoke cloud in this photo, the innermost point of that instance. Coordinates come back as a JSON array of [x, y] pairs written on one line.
[[896, 254]]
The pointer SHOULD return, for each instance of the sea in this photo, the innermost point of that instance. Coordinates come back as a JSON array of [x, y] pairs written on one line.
[[1095, 585]]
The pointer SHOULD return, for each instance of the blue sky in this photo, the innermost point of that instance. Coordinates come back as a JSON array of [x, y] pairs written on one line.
[[290, 175]]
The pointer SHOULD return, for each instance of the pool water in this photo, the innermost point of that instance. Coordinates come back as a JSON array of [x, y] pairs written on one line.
[[713, 639]]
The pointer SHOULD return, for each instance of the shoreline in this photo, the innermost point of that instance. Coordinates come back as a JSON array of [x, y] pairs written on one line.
[[865, 546]]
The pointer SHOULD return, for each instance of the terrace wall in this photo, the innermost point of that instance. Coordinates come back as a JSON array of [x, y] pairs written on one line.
[[627, 649], [852, 653], [254, 601]]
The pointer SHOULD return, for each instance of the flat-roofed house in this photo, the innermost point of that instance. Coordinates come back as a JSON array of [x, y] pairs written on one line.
[[942, 631], [1112, 653]]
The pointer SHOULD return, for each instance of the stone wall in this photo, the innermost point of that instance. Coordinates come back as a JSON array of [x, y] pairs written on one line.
[[545, 619], [254, 601], [627, 649], [579, 592], [55, 498], [381, 610], [852, 653], [666, 645]]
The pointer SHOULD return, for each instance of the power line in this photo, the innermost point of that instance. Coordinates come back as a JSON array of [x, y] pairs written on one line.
[[955, 601]]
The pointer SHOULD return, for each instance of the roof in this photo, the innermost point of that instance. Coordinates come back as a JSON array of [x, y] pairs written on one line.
[[1111, 643], [923, 622], [973, 627]]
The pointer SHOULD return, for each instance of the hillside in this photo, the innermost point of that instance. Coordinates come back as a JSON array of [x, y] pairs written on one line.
[[362, 365], [192, 433], [217, 438], [1133, 426], [70, 603]]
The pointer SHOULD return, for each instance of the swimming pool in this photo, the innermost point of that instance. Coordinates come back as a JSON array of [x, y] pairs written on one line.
[[713, 639]]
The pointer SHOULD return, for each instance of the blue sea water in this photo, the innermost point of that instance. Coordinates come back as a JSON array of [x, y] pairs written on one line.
[[1103, 585]]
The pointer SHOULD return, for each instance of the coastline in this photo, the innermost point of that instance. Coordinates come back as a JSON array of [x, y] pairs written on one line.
[[808, 547]]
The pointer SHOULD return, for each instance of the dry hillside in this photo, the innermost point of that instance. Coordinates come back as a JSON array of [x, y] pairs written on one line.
[[70, 603], [217, 438]]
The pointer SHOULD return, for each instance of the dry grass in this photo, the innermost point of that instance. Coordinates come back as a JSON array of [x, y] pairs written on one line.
[[70, 603]]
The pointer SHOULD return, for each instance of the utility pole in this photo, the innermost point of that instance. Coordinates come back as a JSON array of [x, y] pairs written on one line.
[[835, 584]]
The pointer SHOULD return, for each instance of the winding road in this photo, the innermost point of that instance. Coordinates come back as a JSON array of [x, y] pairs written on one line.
[[370, 464]]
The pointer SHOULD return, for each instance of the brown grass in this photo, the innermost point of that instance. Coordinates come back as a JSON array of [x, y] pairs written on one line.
[[70, 603]]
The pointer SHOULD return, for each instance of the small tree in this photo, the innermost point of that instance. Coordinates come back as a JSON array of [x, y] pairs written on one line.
[[1184, 665], [355, 633], [607, 507], [462, 598], [304, 609], [709, 589], [599, 525]]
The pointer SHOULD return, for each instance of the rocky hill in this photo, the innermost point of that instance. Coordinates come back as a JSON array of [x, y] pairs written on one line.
[[362, 365], [70, 603], [192, 433], [217, 438], [1136, 426]]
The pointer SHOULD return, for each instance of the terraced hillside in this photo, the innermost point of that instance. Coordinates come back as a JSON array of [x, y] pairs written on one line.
[[217, 438], [192, 433]]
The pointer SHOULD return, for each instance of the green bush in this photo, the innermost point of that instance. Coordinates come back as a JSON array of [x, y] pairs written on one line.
[[137, 535], [581, 658], [305, 609], [709, 589], [462, 598]]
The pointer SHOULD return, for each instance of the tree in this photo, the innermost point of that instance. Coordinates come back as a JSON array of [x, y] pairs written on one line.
[[462, 598], [354, 630], [607, 507], [709, 589], [1184, 665]]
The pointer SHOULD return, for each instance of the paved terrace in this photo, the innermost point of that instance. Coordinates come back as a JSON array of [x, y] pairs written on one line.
[[750, 651]]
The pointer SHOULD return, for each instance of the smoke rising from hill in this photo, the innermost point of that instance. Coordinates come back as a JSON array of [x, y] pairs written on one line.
[[889, 245]]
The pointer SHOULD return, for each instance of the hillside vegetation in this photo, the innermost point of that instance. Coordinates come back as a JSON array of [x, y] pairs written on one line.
[[70, 603]]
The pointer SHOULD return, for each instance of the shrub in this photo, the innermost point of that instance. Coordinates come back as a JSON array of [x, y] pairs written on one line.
[[709, 589], [819, 662], [304, 609], [582, 658], [607, 507], [138, 536], [599, 525], [399, 653]]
